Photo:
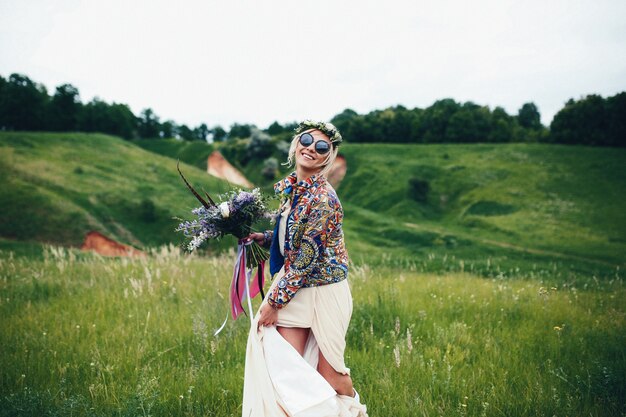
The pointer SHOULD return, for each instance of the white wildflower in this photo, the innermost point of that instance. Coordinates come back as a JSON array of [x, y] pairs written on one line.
[[197, 240], [224, 209], [396, 355]]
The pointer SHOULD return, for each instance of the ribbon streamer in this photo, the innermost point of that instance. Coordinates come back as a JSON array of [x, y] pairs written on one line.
[[241, 288]]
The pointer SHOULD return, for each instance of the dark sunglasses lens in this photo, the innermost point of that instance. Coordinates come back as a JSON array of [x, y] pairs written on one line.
[[322, 147], [306, 139]]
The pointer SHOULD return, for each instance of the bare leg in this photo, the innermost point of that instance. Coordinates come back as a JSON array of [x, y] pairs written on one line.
[[296, 336], [340, 382]]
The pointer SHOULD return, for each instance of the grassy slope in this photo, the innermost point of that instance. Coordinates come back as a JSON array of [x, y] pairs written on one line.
[[558, 201], [194, 153], [539, 200], [56, 187], [490, 207]]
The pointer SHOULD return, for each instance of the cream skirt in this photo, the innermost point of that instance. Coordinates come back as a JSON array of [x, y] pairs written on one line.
[[278, 381]]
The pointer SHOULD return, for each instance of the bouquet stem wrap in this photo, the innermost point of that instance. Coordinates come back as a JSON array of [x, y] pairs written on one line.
[[242, 287]]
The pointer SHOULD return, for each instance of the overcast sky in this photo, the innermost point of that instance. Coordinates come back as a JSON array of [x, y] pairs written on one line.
[[225, 61]]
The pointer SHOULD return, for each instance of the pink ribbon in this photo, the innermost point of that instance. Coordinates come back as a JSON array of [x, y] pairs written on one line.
[[241, 287]]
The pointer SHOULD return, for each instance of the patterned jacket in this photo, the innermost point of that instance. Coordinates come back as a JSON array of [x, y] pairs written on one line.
[[315, 252]]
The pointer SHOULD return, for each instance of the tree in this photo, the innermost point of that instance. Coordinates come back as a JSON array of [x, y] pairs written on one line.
[[344, 122], [239, 131], [416, 120], [64, 109], [399, 126], [616, 120], [148, 124], [528, 116], [114, 119], [123, 121], [290, 127], [435, 120], [201, 132], [471, 123], [23, 104], [185, 133], [219, 133], [167, 129], [274, 129], [502, 126], [359, 130], [94, 117], [3, 84], [592, 120]]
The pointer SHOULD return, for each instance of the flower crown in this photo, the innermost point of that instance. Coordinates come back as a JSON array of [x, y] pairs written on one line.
[[329, 130]]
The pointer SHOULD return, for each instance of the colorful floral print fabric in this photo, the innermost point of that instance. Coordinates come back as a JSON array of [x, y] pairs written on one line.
[[315, 252]]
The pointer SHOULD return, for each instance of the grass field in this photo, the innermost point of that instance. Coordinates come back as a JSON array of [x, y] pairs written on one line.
[[494, 290], [83, 335]]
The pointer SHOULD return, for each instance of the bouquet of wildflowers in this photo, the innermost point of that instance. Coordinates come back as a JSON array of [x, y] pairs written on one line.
[[235, 214]]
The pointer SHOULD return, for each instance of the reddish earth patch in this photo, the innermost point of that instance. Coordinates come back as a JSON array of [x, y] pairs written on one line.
[[337, 171], [97, 242], [219, 167]]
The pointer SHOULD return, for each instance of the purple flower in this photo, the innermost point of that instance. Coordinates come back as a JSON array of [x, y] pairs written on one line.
[[242, 199], [244, 209]]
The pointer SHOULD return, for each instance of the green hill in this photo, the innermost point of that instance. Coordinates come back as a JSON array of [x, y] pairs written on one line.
[[561, 201], [194, 153], [490, 208], [57, 187]]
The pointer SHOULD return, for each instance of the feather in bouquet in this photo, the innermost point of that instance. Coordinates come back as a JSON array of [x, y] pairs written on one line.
[[235, 216]]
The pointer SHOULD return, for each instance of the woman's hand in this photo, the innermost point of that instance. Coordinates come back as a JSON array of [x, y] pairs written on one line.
[[256, 236], [268, 316]]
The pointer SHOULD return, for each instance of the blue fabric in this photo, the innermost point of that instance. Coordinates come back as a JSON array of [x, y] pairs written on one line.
[[276, 259]]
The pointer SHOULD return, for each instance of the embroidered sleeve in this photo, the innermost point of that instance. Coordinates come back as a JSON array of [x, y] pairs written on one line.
[[309, 244]]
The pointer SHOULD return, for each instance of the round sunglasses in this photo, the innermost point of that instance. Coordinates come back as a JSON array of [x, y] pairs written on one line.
[[321, 146]]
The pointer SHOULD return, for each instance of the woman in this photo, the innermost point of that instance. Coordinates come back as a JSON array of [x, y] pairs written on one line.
[[294, 357]]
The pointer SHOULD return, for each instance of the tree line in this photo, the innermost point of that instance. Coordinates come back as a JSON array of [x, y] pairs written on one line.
[[26, 105], [590, 120], [444, 121]]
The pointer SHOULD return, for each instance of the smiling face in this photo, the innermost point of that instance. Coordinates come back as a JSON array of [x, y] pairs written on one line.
[[306, 157]]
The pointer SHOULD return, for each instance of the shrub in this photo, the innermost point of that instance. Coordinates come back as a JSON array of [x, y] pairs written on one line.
[[259, 144], [270, 168], [418, 189], [490, 208], [147, 210]]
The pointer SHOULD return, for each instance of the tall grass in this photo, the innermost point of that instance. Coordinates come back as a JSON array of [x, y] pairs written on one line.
[[83, 335]]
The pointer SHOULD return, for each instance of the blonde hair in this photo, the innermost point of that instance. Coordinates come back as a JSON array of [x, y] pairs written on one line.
[[328, 162]]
